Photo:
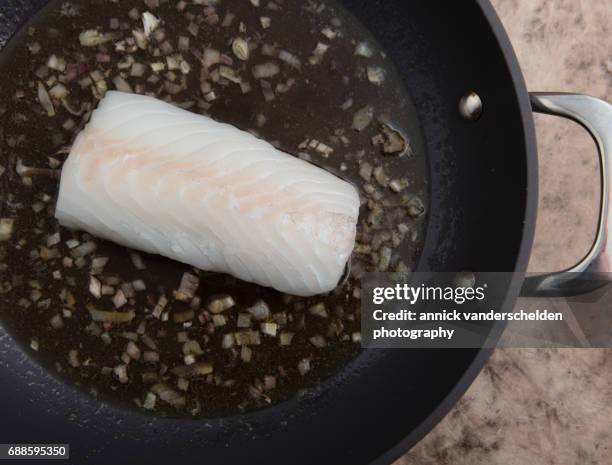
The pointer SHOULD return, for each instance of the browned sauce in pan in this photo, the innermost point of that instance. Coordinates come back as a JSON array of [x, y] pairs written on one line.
[[331, 97]]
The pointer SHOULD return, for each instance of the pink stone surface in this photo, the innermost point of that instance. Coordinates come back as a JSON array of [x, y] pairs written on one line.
[[544, 406]]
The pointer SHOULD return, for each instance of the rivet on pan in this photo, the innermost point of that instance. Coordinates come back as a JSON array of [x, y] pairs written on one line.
[[465, 279], [470, 106]]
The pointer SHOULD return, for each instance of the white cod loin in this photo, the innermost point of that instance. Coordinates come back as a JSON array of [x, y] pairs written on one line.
[[160, 179]]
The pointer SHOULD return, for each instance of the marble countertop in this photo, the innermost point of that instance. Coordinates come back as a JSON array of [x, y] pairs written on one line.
[[545, 406]]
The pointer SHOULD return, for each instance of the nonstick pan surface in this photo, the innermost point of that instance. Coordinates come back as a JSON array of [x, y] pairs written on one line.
[[483, 195]]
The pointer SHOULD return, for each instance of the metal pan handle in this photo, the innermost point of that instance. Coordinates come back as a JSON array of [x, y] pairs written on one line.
[[593, 271]]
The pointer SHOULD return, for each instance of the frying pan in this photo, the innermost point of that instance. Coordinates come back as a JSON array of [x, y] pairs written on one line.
[[483, 175]]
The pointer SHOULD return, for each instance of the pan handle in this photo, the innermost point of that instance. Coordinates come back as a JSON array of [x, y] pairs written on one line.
[[593, 271]]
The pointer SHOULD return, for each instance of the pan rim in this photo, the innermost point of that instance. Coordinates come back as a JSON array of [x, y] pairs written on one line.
[[522, 261]]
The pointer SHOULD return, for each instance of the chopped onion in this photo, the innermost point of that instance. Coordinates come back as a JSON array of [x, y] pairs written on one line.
[[108, 290], [160, 306], [149, 22], [102, 316], [240, 47], [149, 402], [304, 366], [318, 341], [68, 125], [173, 62], [130, 336], [347, 104], [283, 88], [260, 311], [285, 338], [122, 85], [169, 395], [266, 22], [221, 304], [266, 89], [249, 337], [193, 29], [245, 87], [385, 259], [133, 350], [45, 100], [318, 53], [269, 383], [73, 358], [142, 40], [363, 117], [228, 73], [56, 322], [260, 120], [119, 299], [138, 70], [195, 369], [324, 149], [134, 14], [319, 310], [42, 72], [398, 185], [266, 70], [95, 287], [137, 261], [150, 356], [182, 384], [269, 329], [153, 3], [290, 59], [93, 38], [415, 207], [211, 57], [244, 320], [182, 317], [149, 342], [228, 341], [98, 264], [381, 177], [329, 33], [246, 354], [149, 377], [158, 67], [268, 50], [6, 228], [56, 63], [192, 347], [228, 19], [34, 48], [219, 320], [183, 43], [121, 373], [363, 49], [226, 60], [394, 142], [58, 92], [376, 75], [53, 239], [103, 58]]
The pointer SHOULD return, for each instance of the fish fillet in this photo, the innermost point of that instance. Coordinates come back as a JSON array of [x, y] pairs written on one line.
[[160, 179]]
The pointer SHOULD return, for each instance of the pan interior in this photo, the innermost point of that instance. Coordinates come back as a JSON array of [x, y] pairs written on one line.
[[316, 105], [477, 221]]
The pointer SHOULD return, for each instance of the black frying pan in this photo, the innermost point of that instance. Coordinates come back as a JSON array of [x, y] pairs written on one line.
[[483, 205]]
